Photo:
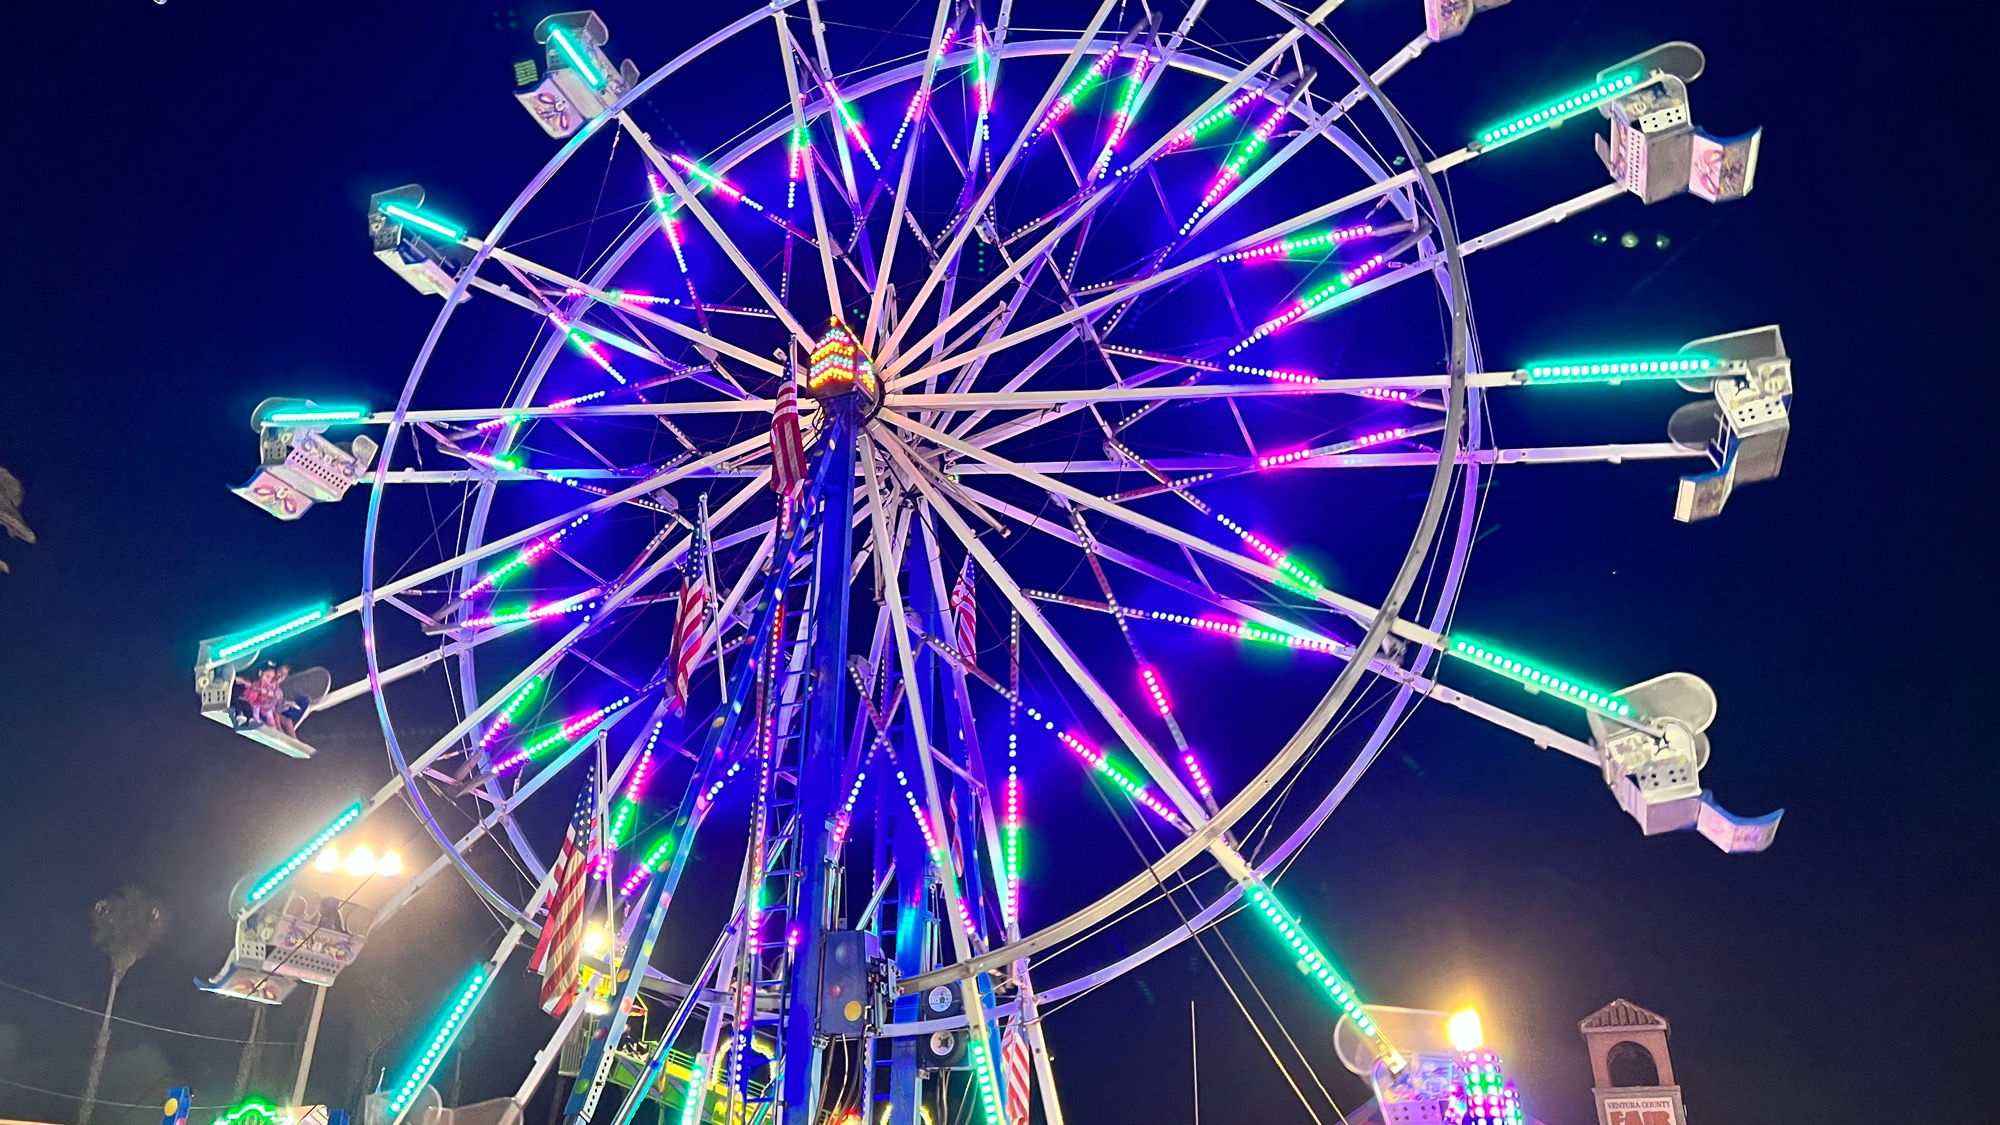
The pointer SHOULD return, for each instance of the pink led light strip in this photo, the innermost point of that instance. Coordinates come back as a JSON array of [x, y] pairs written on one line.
[[572, 604], [1156, 690], [1306, 378], [564, 733], [529, 556], [1232, 172], [938, 852], [635, 788], [1011, 826], [920, 99], [1121, 120], [1104, 768], [586, 345], [1179, 488], [668, 226], [1066, 104], [513, 466], [721, 186], [1287, 246], [1276, 460], [1083, 750], [1241, 630], [850, 124], [1148, 675], [845, 818], [1230, 108], [1305, 307], [507, 713]]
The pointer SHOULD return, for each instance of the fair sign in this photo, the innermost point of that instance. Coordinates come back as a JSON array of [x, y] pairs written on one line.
[[1644, 1110]]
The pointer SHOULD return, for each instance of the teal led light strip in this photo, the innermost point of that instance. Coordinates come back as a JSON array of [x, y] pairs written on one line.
[[1539, 679], [303, 856], [1636, 367], [576, 58], [321, 414], [1560, 108], [397, 210], [439, 1041], [270, 634]]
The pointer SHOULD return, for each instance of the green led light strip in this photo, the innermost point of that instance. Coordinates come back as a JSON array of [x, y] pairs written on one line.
[[1637, 367], [1541, 680], [620, 822], [300, 858], [1559, 109], [696, 1095], [989, 1087]]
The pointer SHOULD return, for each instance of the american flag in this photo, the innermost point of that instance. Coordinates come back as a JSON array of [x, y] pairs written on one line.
[[558, 954], [965, 610], [1014, 1072], [688, 625], [788, 450]]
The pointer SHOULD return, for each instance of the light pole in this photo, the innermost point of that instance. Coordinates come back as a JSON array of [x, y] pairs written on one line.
[[360, 862]]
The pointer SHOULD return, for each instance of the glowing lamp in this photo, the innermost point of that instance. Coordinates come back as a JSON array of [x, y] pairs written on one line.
[[1465, 1030], [389, 866], [360, 862], [328, 861], [596, 941]]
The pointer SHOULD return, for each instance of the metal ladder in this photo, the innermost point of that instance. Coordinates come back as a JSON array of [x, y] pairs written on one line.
[[763, 965]]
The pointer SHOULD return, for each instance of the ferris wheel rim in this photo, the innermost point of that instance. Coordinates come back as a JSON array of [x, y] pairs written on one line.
[[1454, 568]]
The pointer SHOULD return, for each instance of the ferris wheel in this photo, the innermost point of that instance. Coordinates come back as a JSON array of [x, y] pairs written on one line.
[[946, 428]]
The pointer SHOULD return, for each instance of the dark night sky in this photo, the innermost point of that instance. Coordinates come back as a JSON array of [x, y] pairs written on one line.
[[186, 183]]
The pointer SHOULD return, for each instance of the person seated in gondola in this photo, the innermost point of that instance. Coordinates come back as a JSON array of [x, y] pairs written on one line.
[[292, 712], [262, 696], [329, 914]]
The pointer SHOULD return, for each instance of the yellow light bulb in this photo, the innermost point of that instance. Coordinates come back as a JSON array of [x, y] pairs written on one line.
[[594, 941], [360, 862], [390, 865], [328, 860], [1465, 1031]]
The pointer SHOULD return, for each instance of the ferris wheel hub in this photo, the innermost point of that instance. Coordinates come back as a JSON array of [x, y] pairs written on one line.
[[840, 368]]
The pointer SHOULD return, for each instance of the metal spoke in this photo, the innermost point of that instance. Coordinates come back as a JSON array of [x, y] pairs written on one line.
[[984, 200], [692, 335], [803, 131], [899, 199], [730, 250]]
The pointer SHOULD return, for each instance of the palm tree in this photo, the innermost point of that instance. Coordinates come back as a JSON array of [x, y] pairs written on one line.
[[246, 1065], [10, 511], [125, 926]]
